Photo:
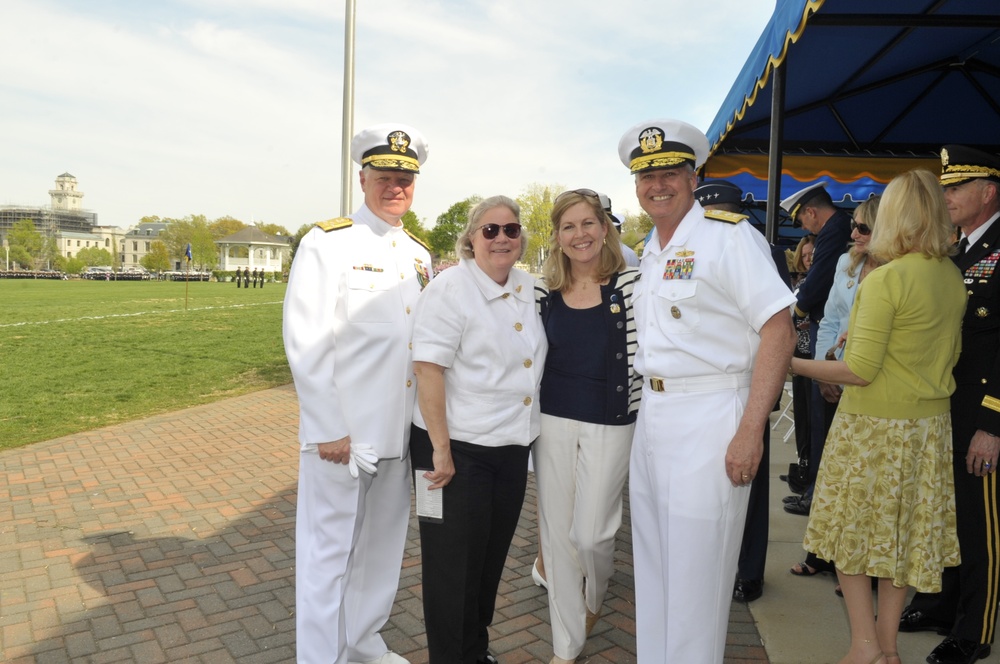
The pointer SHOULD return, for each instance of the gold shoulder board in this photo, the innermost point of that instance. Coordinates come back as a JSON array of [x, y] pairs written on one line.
[[722, 215], [417, 240], [335, 224]]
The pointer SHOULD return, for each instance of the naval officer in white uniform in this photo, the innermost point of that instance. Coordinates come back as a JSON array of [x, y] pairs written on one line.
[[348, 316], [714, 335]]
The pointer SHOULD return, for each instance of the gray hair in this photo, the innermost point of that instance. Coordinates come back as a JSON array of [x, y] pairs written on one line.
[[463, 245]]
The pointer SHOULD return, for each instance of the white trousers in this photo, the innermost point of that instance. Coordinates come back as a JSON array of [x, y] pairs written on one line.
[[687, 524], [349, 540], [580, 469]]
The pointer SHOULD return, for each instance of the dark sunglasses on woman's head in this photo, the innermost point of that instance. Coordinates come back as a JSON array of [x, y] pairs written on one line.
[[863, 229], [590, 193], [582, 192], [491, 231]]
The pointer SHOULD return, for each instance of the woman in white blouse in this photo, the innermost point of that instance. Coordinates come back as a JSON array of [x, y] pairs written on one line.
[[478, 351]]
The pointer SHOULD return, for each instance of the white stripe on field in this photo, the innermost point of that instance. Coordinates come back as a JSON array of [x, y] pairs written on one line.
[[138, 313]]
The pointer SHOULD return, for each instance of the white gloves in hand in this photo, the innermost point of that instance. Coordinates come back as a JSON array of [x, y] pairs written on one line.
[[363, 457]]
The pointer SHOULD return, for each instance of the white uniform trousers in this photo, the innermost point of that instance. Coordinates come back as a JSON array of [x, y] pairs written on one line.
[[580, 469], [349, 540], [687, 523]]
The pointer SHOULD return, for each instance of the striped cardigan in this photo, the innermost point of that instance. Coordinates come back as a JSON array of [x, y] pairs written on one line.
[[625, 385]]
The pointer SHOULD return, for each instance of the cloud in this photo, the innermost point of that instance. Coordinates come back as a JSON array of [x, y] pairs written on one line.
[[234, 106]]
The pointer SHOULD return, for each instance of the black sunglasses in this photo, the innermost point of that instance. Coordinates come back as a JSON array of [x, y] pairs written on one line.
[[863, 229], [590, 193], [491, 231]]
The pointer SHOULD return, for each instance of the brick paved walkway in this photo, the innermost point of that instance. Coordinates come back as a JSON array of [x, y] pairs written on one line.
[[171, 539]]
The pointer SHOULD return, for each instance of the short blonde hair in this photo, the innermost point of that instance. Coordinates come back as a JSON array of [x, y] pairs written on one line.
[[463, 245], [912, 218], [556, 268]]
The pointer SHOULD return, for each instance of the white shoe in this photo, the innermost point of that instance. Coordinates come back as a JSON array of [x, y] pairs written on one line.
[[536, 577], [388, 658]]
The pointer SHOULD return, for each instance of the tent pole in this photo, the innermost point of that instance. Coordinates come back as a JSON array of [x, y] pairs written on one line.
[[774, 162]]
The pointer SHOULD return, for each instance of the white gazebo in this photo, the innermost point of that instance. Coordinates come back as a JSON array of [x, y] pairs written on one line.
[[265, 251]]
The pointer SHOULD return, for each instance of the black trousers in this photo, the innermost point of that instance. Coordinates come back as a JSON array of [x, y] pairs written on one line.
[[464, 556], [821, 417], [801, 399], [970, 592], [753, 550]]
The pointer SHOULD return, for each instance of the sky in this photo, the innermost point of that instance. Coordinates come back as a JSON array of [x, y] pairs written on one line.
[[234, 107]]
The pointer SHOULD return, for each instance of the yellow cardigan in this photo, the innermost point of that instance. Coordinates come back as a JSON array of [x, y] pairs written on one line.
[[904, 337]]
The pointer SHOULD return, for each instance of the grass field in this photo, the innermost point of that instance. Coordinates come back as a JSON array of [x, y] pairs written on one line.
[[78, 355]]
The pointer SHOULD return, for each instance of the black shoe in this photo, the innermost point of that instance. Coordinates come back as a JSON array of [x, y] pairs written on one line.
[[915, 620], [788, 500], [487, 658], [797, 485], [800, 506], [958, 651], [747, 590]]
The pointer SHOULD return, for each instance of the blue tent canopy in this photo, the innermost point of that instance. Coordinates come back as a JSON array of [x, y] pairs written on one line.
[[866, 89]]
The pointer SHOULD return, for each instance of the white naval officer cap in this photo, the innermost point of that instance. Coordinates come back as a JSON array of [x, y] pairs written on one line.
[[390, 147], [657, 144], [794, 203]]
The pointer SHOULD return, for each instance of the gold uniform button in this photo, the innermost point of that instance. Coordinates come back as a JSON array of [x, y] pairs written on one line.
[[675, 312], [407, 310], [409, 383], [527, 364], [505, 295], [394, 243], [402, 276], [982, 312], [518, 327], [410, 345], [527, 401]]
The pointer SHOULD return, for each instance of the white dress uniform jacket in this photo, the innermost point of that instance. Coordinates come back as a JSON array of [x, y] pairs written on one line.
[[347, 324], [699, 308]]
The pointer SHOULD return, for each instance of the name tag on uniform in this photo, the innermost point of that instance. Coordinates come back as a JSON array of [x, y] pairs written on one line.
[[679, 268]]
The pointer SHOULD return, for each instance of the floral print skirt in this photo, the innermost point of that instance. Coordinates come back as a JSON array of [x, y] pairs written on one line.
[[884, 502]]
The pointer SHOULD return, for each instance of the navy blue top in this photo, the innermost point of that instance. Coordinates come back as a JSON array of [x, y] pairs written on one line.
[[574, 383], [584, 349]]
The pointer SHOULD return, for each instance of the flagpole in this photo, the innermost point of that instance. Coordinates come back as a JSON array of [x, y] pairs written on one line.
[[348, 113], [187, 275]]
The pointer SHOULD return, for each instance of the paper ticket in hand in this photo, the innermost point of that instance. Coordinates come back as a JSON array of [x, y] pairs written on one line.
[[430, 504]]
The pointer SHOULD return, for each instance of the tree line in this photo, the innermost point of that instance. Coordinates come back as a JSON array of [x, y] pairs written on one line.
[[33, 249], [30, 248], [201, 234]]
